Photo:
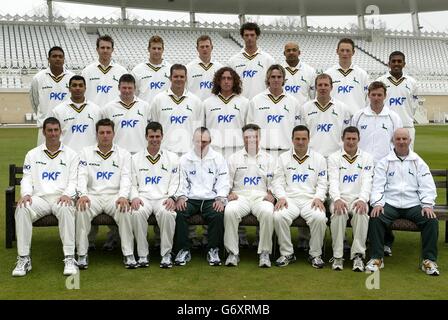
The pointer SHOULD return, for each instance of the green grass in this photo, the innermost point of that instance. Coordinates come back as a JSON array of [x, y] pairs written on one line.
[[106, 277]]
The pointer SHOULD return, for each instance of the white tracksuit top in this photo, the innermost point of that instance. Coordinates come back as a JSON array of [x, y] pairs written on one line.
[[47, 91], [326, 124], [130, 123], [151, 79], [252, 70], [376, 130], [102, 82], [203, 179], [276, 116], [179, 117], [304, 178], [401, 97], [108, 173], [299, 81], [350, 178], [403, 183], [225, 118], [350, 87], [155, 178], [249, 175], [200, 77], [77, 123], [45, 174]]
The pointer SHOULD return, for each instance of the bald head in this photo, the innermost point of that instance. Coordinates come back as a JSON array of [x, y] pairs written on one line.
[[292, 53], [401, 141]]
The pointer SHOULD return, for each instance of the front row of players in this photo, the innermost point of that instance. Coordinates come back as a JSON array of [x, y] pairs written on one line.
[[105, 178]]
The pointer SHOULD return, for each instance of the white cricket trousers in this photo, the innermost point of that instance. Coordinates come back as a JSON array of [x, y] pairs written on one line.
[[40, 207], [236, 210], [103, 204], [165, 219], [360, 226], [314, 218]]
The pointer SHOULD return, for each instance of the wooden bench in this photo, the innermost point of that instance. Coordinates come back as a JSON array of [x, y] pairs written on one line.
[[15, 173]]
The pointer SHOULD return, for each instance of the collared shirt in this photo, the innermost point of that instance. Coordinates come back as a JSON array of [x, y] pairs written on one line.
[[200, 77], [225, 118], [151, 79], [204, 178], [299, 81], [77, 123], [403, 183], [251, 175], [108, 173], [276, 116], [47, 91], [376, 130], [350, 177], [102, 82], [157, 177], [179, 117], [252, 70], [401, 97], [130, 123], [47, 174], [303, 178], [350, 86], [326, 124]]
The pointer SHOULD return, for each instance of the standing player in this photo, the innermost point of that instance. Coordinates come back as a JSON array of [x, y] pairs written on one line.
[[251, 63], [104, 185], [299, 80], [350, 172], [102, 76], [401, 94], [276, 112], [77, 116], [202, 69], [178, 111], [155, 180], [349, 81], [130, 115], [48, 187], [49, 88], [300, 185], [226, 111], [152, 77]]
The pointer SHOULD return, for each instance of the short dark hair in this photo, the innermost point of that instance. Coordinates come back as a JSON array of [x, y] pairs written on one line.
[[127, 77], [51, 120], [76, 77], [216, 89], [250, 26], [397, 53], [300, 128], [251, 126], [346, 40], [204, 37], [377, 85], [155, 39], [104, 38], [154, 126], [351, 129], [323, 76], [177, 66], [55, 48], [105, 123]]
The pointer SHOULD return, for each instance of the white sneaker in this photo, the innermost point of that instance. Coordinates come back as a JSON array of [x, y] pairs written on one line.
[[23, 266], [232, 260], [387, 251], [143, 262], [213, 257], [338, 264], [430, 268], [358, 264], [83, 262], [166, 261], [70, 266], [129, 262], [264, 262], [183, 256], [374, 265]]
